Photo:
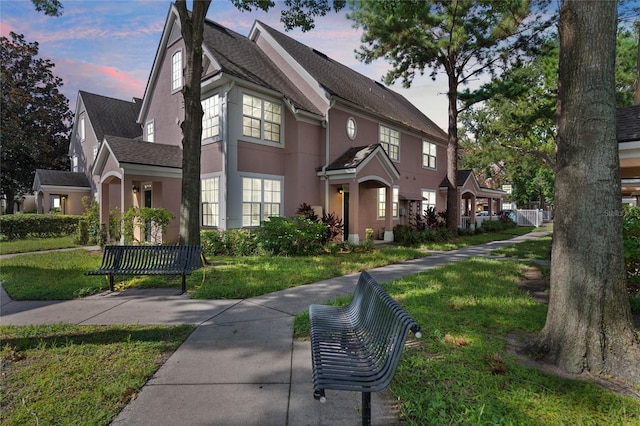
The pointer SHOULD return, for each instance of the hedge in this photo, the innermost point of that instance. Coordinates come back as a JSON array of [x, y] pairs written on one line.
[[21, 226]]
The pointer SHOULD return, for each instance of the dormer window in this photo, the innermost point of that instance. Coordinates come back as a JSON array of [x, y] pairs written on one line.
[[82, 129], [176, 71], [150, 132]]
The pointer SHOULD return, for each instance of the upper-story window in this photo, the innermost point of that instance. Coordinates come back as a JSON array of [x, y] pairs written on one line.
[[82, 129], [390, 141], [261, 119], [429, 155], [150, 132], [211, 117], [75, 163], [176, 70], [352, 129]]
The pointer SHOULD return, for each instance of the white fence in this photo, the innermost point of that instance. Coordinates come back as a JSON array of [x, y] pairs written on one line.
[[523, 218]]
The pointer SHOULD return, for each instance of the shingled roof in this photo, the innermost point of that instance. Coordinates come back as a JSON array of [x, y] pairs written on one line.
[[110, 116], [628, 124], [343, 82], [60, 178], [240, 57], [147, 153]]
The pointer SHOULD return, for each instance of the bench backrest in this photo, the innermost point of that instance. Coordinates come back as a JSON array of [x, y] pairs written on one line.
[[382, 323], [170, 258]]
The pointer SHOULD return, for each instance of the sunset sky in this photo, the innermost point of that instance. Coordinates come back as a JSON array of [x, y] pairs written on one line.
[[108, 47]]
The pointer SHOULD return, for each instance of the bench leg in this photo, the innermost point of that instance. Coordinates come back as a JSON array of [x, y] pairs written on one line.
[[111, 282], [184, 284], [366, 408]]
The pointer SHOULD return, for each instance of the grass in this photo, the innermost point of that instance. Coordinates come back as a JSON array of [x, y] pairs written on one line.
[[462, 372], [68, 374], [471, 240], [60, 275], [538, 249], [36, 244]]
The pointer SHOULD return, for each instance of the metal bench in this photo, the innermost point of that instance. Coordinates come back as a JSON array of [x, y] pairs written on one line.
[[149, 260], [357, 347]]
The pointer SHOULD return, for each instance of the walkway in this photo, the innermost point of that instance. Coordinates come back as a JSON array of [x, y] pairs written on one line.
[[241, 365]]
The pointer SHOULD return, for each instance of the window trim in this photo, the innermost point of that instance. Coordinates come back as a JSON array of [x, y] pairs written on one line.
[[429, 156], [261, 140], [174, 88], [153, 133], [391, 129], [216, 202], [349, 128], [262, 202], [424, 206], [218, 136]]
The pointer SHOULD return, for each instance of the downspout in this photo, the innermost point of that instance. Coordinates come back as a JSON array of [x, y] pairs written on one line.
[[224, 146], [325, 124]]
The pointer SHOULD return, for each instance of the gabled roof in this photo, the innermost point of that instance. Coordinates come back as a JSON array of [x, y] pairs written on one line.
[[240, 57], [131, 151], [461, 178], [354, 160], [60, 178], [628, 124], [110, 116], [343, 82]]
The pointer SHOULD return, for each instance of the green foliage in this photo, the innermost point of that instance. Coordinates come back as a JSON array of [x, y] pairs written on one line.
[[35, 117], [292, 236], [82, 236], [21, 226], [503, 223], [631, 234], [334, 224], [159, 219], [232, 242]]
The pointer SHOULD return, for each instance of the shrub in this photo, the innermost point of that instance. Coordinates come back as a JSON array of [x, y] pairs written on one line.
[[21, 226], [92, 216], [135, 216], [82, 236], [292, 236], [232, 242], [631, 234]]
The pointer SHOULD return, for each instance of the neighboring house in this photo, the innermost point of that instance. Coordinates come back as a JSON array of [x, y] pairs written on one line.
[[473, 195], [628, 134], [60, 191], [283, 125]]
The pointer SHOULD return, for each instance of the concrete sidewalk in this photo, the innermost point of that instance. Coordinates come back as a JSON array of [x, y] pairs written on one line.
[[241, 365]]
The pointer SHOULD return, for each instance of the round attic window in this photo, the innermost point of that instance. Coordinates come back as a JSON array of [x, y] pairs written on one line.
[[351, 128]]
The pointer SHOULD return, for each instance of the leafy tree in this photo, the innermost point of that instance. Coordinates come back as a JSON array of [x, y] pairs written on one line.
[[589, 326], [627, 65], [35, 117], [465, 38]]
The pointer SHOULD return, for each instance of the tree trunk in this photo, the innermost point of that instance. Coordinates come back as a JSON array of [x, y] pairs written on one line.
[[453, 199], [192, 34], [589, 326]]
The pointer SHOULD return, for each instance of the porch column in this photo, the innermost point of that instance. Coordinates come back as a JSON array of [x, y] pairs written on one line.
[[490, 203], [354, 214], [388, 220]]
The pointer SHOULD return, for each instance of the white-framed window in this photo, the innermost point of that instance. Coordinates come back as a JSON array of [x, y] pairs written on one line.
[[395, 203], [151, 134], [429, 158], [95, 151], [211, 117], [428, 199], [82, 129], [352, 128], [210, 201], [390, 141], [382, 203], [176, 71], [261, 198], [261, 119], [74, 162]]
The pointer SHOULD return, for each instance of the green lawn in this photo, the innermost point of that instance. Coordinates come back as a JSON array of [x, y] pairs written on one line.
[[36, 244]]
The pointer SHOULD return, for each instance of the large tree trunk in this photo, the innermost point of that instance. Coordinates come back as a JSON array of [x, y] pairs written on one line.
[[453, 198], [589, 326], [192, 33]]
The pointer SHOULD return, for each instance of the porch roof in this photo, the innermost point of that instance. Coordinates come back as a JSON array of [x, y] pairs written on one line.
[[628, 124], [132, 152], [354, 159]]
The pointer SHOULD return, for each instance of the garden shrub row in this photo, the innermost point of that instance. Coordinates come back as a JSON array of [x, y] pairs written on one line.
[[21, 226]]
